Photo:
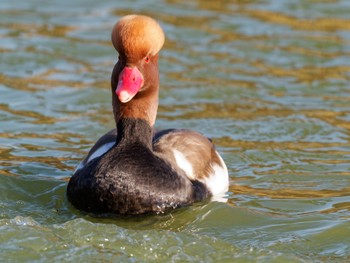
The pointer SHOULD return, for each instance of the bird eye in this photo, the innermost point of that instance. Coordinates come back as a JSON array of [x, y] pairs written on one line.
[[147, 59]]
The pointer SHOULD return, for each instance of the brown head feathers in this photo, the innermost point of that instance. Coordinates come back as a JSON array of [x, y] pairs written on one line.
[[137, 35]]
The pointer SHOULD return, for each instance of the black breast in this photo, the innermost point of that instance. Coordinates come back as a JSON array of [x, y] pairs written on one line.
[[131, 179]]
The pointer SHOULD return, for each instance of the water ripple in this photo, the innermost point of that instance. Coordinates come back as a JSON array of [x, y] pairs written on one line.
[[266, 80]]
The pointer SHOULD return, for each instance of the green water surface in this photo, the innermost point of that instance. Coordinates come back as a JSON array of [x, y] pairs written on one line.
[[267, 80]]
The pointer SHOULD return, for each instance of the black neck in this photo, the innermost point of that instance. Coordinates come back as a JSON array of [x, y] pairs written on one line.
[[132, 130]]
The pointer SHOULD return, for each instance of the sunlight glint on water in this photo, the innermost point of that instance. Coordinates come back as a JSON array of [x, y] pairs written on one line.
[[268, 81]]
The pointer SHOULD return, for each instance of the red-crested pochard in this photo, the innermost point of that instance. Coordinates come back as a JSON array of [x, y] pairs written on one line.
[[133, 169]]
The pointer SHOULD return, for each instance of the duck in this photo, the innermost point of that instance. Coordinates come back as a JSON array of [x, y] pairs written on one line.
[[135, 169]]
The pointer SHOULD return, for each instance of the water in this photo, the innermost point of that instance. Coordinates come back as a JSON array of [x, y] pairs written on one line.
[[267, 80]]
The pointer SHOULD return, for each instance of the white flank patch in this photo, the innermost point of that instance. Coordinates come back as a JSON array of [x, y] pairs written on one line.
[[100, 151], [218, 181], [183, 164], [80, 166]]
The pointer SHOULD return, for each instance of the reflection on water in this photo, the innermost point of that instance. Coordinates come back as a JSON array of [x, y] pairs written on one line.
[[267, 80]]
